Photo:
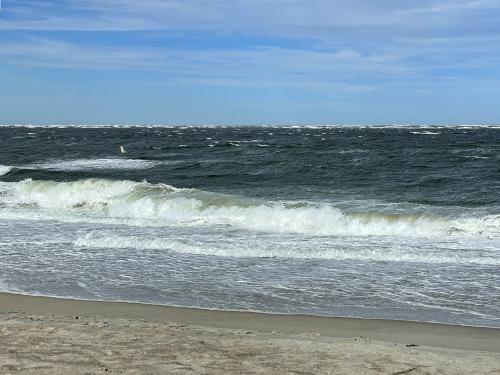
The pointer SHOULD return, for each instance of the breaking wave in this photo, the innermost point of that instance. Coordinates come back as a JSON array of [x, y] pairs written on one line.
[[161, 204], [4, 169], [95, 164]]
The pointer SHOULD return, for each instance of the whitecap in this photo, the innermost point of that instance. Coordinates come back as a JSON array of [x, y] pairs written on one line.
[[426, 132], [4, 169], [160, 204], [95, 164]]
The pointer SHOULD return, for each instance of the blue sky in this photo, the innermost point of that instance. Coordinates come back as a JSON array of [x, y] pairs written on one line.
[[250, 61]]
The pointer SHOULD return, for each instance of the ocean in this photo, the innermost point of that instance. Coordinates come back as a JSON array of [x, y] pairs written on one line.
[[390, 222]]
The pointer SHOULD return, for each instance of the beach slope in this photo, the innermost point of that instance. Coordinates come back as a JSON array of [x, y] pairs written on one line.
[[59, 336]]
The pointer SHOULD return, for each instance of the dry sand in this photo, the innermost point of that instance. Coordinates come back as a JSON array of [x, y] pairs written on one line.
[[55, 336]]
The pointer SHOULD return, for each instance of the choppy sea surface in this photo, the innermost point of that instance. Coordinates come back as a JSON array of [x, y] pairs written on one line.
[[393, 222]]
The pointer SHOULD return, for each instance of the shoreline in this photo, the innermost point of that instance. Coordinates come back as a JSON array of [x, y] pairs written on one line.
[[437, 335], [46, 335], [243, 311]]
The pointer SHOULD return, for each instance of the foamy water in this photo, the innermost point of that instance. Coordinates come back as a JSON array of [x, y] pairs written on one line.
[[4, 169], [162, 204], [385, 222], [94, 164]]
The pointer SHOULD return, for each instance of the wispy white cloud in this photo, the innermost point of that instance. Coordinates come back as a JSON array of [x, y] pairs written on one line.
[[259, 66], [455, 6], [55, 53], [369, 35], [401, 59], [313, 19]]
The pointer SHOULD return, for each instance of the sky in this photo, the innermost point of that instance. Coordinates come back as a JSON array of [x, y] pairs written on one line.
[[250, 62]]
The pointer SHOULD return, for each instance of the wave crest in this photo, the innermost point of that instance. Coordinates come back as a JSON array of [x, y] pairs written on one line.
[[95, 164], [4, 169], [161, 204]]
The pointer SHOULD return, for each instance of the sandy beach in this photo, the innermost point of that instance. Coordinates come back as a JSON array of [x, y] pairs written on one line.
[[61, 336]]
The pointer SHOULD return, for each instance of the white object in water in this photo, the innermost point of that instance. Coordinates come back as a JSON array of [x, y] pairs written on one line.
[[122, 149]]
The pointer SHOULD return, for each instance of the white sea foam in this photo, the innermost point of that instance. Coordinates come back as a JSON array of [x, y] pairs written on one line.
[[426, 132], [320, 250], [95, 164], [160, 204], [4, 169]]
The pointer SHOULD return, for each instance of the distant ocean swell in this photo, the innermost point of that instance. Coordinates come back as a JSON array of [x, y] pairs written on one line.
[[161, 204]]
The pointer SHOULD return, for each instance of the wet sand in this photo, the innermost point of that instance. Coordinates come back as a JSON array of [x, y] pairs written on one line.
[[61, 336]]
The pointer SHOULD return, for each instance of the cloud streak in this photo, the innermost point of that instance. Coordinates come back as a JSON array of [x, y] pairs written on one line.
[[257, 67], [370, 36], [313, 19]]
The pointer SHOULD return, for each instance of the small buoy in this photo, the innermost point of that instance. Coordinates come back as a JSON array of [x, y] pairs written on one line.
[[122, 149]]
